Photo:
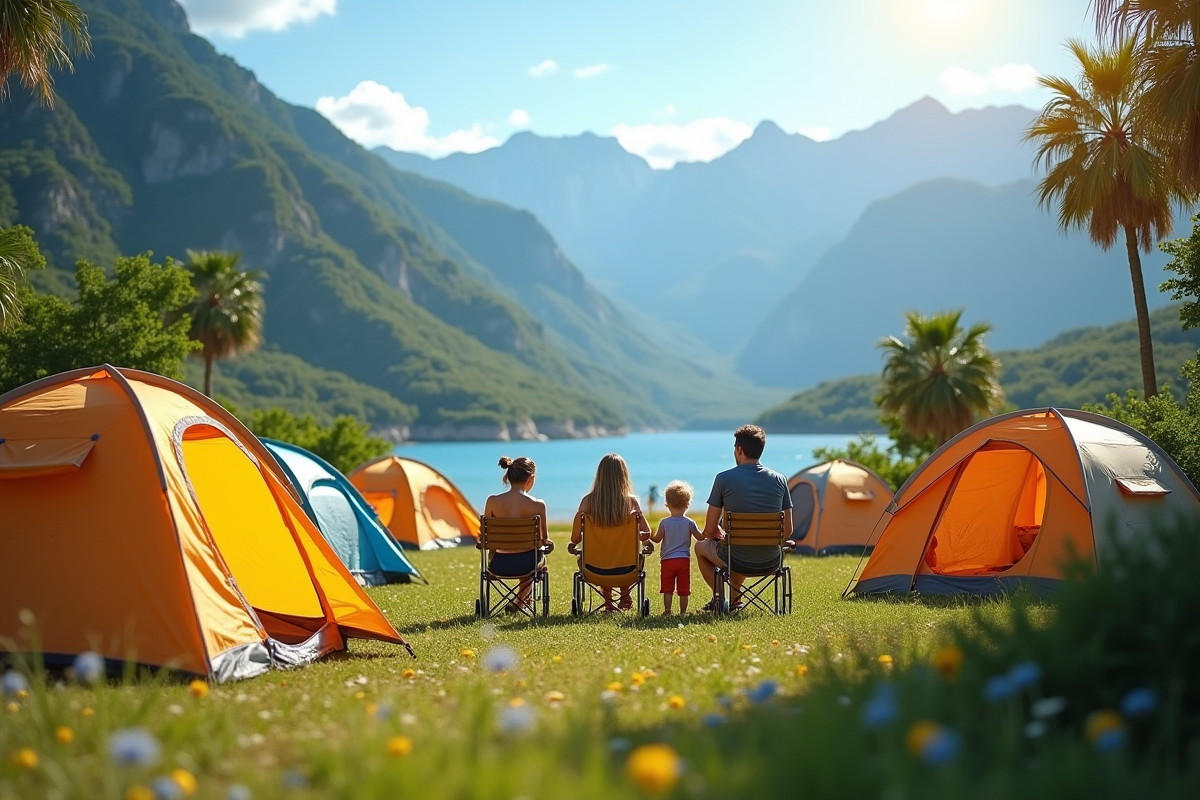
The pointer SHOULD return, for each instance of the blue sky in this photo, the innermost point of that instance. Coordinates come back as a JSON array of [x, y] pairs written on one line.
[[672, 80]]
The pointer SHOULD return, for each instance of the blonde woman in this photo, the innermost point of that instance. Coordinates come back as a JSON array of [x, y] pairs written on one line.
[[609, 503]]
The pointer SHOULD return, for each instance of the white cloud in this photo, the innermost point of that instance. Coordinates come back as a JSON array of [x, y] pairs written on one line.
[[664, 145], [519, 117], [818, 133], [1009, 78], [236, 18], [372, 114], [591, 71], [543, 69]]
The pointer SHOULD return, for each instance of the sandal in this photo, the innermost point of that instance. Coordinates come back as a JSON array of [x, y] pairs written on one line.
[[625, 604]]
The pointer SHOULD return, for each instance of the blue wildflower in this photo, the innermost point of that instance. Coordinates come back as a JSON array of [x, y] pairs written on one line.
[[295, 779], [238, 792], [1025, 674], [713, 720], [13, 683], [517, 719], [1139, 702], [725, 700], [999, 687], [881, 708], [134, 747], [165, 788], [89, 667], [943, 746], [1109, 740], [500, 658], [763, 692]]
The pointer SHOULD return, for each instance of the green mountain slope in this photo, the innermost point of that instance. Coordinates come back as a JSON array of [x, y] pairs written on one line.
[[1078, 366], [159, 143]]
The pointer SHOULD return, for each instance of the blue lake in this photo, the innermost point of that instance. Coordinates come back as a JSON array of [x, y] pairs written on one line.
[[566, 466]]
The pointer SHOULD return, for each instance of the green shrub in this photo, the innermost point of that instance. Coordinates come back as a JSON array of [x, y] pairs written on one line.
[[345, 444], [894, 464]]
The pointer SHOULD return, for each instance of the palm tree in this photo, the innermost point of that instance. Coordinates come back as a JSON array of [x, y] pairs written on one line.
[[18, 255], [227, 312], [37, 37], [1165, 32], [940, 379], [1108, 165]]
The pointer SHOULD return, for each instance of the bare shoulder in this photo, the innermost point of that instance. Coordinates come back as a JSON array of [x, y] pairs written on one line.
[[585, 503]]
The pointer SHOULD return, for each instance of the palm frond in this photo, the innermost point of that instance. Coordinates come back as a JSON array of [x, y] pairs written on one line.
[[38, 37]]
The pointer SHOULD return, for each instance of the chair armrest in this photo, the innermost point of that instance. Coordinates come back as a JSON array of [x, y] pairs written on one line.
[[647, 548], [789, 546]]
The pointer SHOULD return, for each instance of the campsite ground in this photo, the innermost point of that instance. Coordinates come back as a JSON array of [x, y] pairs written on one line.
[[540, 729]]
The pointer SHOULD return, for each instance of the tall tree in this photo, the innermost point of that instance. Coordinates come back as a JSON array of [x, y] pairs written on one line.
[[227, 312], [1108, 165], [939, 379], [38, 37], [1165, 34]]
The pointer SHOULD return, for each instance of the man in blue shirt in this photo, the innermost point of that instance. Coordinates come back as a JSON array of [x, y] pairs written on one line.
[[748, 488]]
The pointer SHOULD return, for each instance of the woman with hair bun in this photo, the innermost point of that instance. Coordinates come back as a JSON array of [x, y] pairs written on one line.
[[519, 475]]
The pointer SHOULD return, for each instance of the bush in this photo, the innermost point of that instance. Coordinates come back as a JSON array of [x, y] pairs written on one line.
[[894, 465]]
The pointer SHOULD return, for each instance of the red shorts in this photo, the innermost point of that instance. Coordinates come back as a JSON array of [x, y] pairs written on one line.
[[677, 576]]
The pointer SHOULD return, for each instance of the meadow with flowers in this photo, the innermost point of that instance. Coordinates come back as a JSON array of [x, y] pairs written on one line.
[[1092, 689]]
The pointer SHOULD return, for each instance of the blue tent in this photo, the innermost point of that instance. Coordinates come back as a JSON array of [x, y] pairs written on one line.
[[345, 519]]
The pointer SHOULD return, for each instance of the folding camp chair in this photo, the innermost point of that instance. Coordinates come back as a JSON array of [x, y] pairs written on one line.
[[609, 558], [750, 540], [512, 535]]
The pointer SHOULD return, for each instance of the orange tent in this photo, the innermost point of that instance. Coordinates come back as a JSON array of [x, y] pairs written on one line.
[[418, 504], [835, 505], [174, 541], [1012, 499]]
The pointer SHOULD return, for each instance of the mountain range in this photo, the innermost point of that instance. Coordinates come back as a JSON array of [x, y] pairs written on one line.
[[465, 310]]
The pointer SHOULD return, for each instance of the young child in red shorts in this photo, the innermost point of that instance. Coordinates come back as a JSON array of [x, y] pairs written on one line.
[[676, 533]]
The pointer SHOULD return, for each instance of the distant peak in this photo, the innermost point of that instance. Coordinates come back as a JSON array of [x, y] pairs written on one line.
[[924, 107], [768, 129], [169, 14]]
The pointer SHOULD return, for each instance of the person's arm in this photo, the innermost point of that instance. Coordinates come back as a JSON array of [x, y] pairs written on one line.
[[657, 536], [542, 518], [577, 525], [695, 530], [787, 523], [643, 525], [712, 523]]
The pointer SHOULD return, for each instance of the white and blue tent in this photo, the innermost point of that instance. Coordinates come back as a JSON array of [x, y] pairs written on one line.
[[345, 519]]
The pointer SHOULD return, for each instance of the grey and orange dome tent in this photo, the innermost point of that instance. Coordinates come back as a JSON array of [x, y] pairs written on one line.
[[1012, 500], [418, 504], [175, 540], [835, 506]]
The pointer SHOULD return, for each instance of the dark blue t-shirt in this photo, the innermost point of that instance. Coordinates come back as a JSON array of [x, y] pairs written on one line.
[[750, 489]]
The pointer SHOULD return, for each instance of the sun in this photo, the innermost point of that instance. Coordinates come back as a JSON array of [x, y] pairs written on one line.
[[946, 11]]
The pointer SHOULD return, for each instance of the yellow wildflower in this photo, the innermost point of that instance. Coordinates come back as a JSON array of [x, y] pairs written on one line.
[[948, 661], [557, 659], [521, 684], [517, 702], [198, 689], [1101, 722], [64, 735], [408, 674], [747, 646], [637, 679], [885, 660], [920, 734], [774, 643], [676, 702], [712, 637], [370, 709], [139, 792], [555, 697], [467, 653], [399, 746], [359, 695], [653, 768], [615, 686], [185, 780], [25, 758], [801, 670], [88, 712], [14, 708]]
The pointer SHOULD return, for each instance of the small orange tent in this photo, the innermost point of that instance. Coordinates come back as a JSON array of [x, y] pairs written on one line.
[[835, 506], [418, 504], [174, 540], [1009, 501]]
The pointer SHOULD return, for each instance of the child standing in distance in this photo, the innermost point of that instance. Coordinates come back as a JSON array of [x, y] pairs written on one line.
[[676, 533]]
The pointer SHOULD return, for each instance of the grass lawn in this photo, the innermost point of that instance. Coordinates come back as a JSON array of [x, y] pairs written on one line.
[[539, 730]]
